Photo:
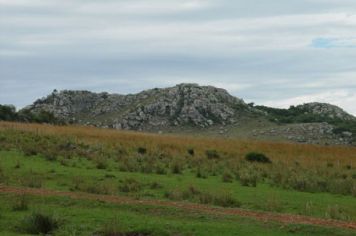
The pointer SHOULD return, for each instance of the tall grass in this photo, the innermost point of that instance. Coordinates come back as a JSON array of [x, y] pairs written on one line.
[[301, 167]]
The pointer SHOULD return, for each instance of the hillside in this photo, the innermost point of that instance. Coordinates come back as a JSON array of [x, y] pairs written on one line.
[[184, 104], [89, 181], [199, 110]]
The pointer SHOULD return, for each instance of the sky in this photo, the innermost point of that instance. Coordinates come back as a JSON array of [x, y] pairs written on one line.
[[276, 53]]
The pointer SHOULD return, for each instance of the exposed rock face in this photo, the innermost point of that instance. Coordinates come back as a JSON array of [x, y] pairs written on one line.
[[326, 110], [314, 133], [184, 104], [189, 106]]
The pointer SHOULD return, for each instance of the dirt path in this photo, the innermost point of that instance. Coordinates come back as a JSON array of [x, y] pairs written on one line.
[[262, 216]]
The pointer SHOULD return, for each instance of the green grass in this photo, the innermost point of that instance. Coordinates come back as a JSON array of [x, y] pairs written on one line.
[[87, 217], [20, 170]]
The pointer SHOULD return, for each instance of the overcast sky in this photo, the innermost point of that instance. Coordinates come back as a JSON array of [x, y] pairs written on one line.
[[277, 52]]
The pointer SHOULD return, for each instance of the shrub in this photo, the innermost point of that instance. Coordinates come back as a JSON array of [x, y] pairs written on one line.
[[20, 203], [101, 164], [175, 195], [50, 155], [212, 154], [177, 167], [336, 213], [201, 173], [206, 198], [101, 188], [112, 228], [247, 178], [341, 186], [29, 150], [227, 177], [155, 185], [330, 165], [31, 181], [18, 165], [226, 200], [130, 185], [161, 170], [257, 157], [39, 223], [2, 175], [191, 151], [141, 150]]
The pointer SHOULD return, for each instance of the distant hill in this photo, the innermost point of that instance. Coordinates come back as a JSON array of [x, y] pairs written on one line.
[[199, 110]]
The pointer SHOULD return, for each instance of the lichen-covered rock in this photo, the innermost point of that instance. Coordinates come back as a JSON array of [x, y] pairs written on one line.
[[326, 110], [184, 104]]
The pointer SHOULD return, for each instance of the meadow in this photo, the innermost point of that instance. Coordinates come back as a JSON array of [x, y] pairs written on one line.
[[299, 179]]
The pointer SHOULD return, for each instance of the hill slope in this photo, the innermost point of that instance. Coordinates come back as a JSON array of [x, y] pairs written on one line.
[[205, 110], [184, 104]]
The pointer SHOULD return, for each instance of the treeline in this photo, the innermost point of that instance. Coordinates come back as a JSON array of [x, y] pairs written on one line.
[[9, 113]]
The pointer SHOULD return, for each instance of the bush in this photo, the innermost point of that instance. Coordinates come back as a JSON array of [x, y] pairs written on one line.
[[227, 177], [191, 151], [247, 178], [212, 154], [50, 155], [39, 223], [100, 188], [175, 195], [8, 113], [201, 173], [31, 181], [257, 157], [161, 170], [101, 164], [112, 228], [177, 167], [29, 150], [226, 200], [155, 185], [206, 198], [20, 203], [2, 175], [336, 213], [141, 150], [130, 186]]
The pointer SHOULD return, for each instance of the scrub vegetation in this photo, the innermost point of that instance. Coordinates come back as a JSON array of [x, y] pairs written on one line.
[[300, 179]]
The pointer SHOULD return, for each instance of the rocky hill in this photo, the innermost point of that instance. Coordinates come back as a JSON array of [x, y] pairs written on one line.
[[181, 105], [202, 110]]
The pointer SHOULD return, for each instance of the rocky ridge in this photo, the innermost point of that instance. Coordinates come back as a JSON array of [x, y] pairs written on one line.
[[192, 106], [184, 104], [326, 110]]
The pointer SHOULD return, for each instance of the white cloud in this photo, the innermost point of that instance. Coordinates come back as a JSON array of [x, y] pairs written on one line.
[[260, 50], [141, 7]]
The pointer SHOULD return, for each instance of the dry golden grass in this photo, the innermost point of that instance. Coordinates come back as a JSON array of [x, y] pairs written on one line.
[[288, 153]]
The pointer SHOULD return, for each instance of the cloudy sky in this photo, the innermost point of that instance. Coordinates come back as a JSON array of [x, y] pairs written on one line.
[[273, 52]]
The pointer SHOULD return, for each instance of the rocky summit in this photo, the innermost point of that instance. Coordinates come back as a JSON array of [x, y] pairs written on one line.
[[204, 110], [184, 104]]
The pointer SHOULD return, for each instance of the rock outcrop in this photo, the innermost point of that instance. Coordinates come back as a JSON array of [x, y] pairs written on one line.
[[326, 110], [198, 108], [184, 104]]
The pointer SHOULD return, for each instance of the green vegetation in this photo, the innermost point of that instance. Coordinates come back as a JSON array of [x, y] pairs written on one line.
[[8, 113], [257, 157], [300, 115], [38, 223], [83, 217], [298, 179]]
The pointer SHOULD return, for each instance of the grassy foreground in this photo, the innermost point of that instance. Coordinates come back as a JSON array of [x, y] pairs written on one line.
[[301, 179], [90, 218]]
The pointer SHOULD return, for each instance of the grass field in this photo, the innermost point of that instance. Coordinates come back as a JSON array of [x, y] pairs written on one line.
[[303, 180]]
